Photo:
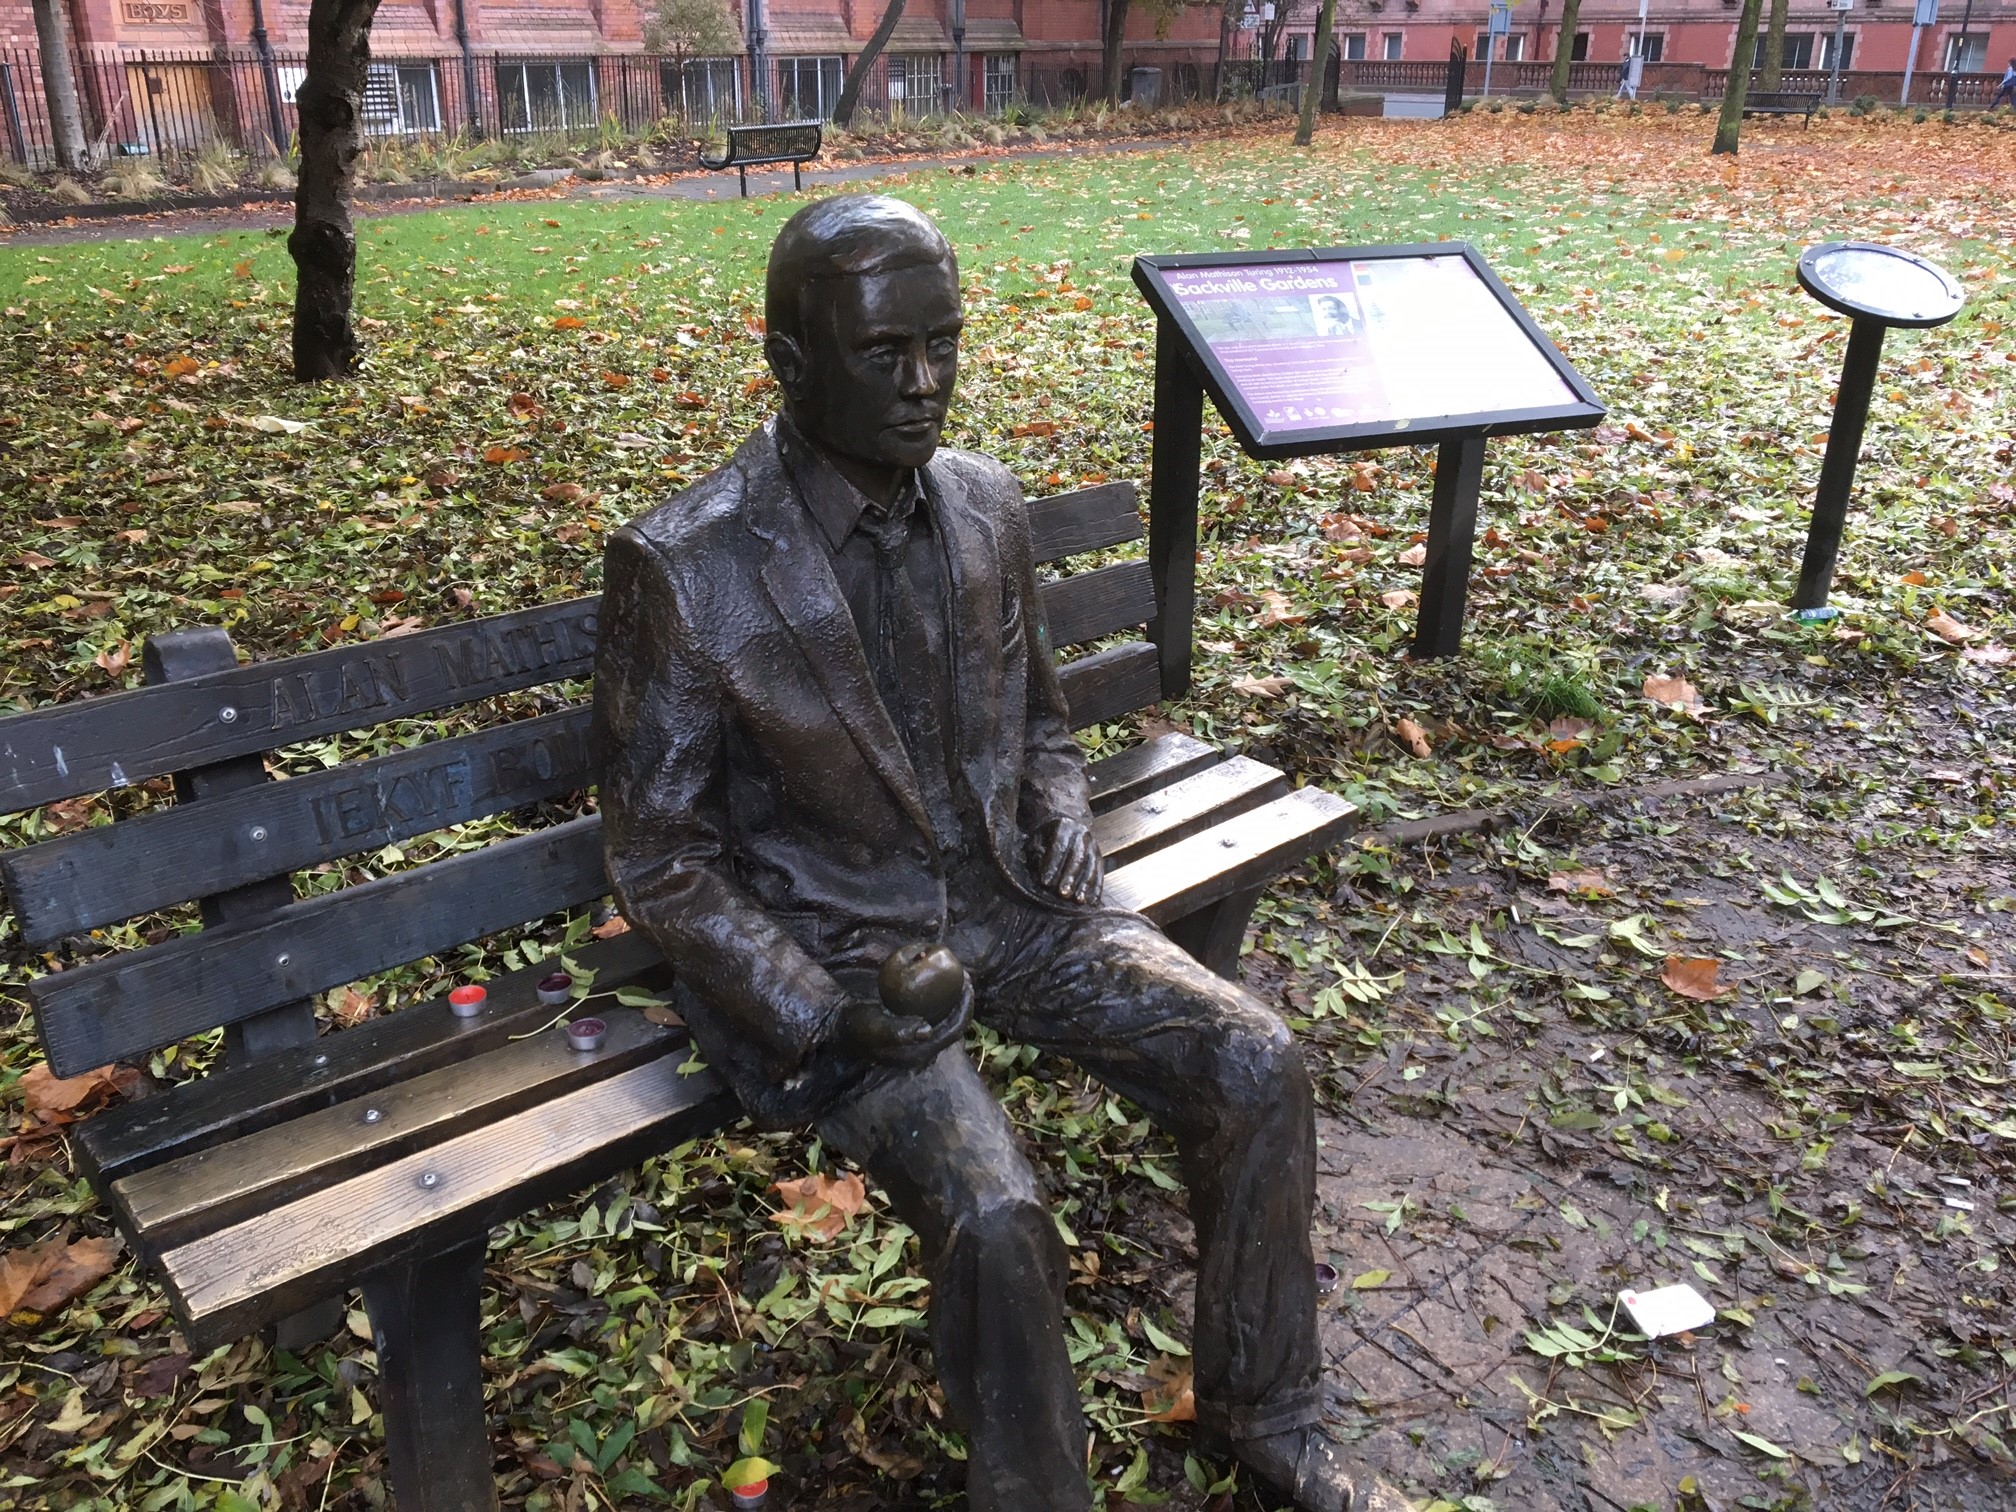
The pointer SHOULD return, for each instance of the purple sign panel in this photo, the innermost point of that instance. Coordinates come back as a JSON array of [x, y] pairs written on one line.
[[1397, 341]]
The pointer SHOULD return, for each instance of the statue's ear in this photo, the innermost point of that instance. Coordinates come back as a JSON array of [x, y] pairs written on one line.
[[788, 363]]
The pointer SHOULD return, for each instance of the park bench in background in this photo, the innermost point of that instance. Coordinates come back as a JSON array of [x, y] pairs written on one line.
[[793, 142], [379, 1156], [1781, 102]]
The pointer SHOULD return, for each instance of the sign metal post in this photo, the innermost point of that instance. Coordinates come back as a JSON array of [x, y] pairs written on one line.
[[1927, 14], [1876, 287]]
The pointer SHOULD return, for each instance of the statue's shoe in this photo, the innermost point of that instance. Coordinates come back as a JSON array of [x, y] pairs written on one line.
[[1306, 1466]]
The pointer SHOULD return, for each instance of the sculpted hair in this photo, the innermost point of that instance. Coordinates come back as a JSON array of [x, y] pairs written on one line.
[[845, 237]]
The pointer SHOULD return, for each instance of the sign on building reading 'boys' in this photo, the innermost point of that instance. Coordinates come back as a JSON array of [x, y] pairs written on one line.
[[1354, 347]]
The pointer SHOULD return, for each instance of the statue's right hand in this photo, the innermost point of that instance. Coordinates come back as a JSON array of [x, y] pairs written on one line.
[[874, 1033]]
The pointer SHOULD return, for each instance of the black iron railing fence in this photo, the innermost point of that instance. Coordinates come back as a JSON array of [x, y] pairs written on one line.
[[180, 105]]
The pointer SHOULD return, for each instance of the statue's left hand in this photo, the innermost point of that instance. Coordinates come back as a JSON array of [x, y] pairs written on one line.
[[1066, 860]]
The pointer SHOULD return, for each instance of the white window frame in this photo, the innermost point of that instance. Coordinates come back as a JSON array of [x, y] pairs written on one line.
[[525, 68], [999, 81], [1393, 46]]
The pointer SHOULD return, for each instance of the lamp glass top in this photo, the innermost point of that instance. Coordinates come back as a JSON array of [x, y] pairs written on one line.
[[1881, 283]]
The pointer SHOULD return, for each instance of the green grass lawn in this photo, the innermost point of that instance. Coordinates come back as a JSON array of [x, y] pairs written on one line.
[[541, 370]]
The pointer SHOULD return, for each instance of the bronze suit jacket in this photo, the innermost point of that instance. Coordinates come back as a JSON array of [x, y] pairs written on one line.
[[763, 822]]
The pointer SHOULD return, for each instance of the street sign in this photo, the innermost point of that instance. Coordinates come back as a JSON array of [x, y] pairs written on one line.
[[1501, 19], [1927, 13]]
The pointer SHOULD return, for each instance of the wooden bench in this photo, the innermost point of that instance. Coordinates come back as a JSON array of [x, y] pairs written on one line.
[[793, 142], [379, 1156], [1781, 102]]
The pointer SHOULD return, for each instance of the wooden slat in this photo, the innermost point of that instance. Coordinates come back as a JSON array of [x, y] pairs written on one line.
[[124, 738], [136, 1001], [1109, 683], [178, 1201], [1230, 857], [1090, 519], [1091, 604], [230, 1282], [1126, 775], [380, 1053], [1162, 818], [117, 871]]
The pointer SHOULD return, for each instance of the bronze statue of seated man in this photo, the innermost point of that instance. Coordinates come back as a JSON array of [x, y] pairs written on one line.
[[832, 727]]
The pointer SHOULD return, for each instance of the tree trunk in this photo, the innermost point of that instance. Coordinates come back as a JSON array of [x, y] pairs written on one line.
[[1319, 67], [59, 87], [850, 92], [1564, 50], [1738, 90], [1774, 47], [1114, 40], [324, 246]]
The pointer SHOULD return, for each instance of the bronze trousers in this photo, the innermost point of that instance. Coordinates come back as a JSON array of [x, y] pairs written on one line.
[[1210, 1066]]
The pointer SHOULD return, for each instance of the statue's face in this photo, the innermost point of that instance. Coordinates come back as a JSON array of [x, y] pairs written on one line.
[[874, 372]]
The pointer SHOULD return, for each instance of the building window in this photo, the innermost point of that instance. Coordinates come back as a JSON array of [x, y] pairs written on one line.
[[998, 82], [1651, 46], [1966, 52], [1351, 47], [1394, 41], [1847, 50], [1189, 82], [808, 88], [1798, 52], [401, 99], [1515, 47], [546, 96], [915, 80], [709, 88], [1298, 47], [1578, 50]]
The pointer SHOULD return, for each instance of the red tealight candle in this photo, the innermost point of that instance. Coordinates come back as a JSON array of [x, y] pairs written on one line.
[[466, 1002]]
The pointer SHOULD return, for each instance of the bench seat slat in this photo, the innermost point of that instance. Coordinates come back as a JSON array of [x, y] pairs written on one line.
[[1126, 775], [179, 1200], [232, 1281], [380, 1053], [1231, 857], [1089, 605], [155, 860], [1163, 817], [1091, 519], [96, 744], [1110, 683], [128, 1004]]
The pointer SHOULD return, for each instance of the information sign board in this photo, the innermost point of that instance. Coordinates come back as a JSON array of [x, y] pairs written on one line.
[[1348, 348]]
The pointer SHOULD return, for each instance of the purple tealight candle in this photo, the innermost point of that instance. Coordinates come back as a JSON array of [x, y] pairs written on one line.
[[555, 989], [1326, 1279], [587, 1033]]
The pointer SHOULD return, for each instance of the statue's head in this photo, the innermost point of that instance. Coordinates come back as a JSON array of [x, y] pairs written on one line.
[[862, 303]]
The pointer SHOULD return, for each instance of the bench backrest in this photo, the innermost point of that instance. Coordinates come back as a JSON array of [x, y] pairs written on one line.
[[233, 838], [776, 142]]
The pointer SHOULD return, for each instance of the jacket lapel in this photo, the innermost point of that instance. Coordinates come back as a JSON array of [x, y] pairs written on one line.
[[800, 582], [974, 592]]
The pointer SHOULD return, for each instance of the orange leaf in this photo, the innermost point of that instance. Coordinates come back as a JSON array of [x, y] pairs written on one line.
[[45, 1092], [177, 367], [1674, 693], [502, 454], [43, 1278], [1398, 598], [1171, 1401], [1035, 428], [1280, 610], [821, 1205], [616, 380], [569, 323], [1414, 556], [1412, 736], [1585, 883], [561, 493], [1693, 977], [611, 927], [1082, 302], [1949, 629]]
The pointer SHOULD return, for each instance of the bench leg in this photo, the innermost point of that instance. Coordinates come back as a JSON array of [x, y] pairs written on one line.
[[744, 172], [427, 1324], [1214, 934]]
